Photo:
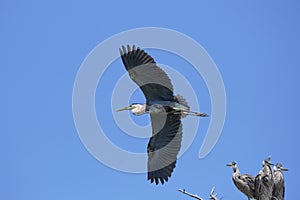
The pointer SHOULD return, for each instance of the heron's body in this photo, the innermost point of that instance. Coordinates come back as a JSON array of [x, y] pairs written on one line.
[[278, 188], [244, 182], [163, 107], [165, 111], [264, 181]]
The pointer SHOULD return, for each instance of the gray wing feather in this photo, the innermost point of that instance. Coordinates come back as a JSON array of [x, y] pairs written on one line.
[[142, 69], [164, 146]]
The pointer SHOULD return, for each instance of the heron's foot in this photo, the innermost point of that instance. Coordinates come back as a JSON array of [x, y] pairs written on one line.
[[201, 114]]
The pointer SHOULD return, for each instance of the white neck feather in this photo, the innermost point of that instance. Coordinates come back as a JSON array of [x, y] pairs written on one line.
[[139, 109]]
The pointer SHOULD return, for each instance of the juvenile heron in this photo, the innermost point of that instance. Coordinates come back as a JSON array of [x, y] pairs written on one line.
[[264, 181], [164, 108], [278, 188], [244, 182]]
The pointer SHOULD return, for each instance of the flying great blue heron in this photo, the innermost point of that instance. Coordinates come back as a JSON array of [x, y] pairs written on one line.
[[164, 108], [264, 181], [278, 188], [244, 182]]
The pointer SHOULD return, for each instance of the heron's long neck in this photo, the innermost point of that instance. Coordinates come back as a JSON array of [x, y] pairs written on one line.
[[267, 168], [236, 170]]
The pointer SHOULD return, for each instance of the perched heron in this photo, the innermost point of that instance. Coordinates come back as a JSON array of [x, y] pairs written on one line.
[[264, 181], [164, 108], [278, 188], [244, 182]]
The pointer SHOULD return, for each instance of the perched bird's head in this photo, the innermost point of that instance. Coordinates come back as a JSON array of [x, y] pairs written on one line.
[[278, 167], [136, 109], [232, 165], [267, 162]]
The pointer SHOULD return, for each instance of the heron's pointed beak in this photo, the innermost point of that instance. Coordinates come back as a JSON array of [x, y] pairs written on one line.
[[126, 108], [229, 165], [284, 169]]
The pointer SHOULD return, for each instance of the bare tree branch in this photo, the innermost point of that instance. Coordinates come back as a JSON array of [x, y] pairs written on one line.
[[212, 195], [189, 194]]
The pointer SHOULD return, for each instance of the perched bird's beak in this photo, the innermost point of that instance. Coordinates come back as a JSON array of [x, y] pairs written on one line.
[[126, 108], [284, 169], [229, 164]]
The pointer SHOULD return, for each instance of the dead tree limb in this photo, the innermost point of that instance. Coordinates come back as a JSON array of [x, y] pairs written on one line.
[[189, 194], [212, 195]]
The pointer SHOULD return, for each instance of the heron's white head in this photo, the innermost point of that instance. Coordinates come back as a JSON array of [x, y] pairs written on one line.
[[136, 109]]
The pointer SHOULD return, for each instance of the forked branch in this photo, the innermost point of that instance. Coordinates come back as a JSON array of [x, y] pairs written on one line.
[[212, 195], [189, 194]]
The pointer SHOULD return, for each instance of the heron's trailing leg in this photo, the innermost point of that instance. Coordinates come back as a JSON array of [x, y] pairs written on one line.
[[195, 113], [184, 113]]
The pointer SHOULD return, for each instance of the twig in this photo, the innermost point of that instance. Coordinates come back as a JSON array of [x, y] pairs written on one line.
[[212, 195], [189, 194]]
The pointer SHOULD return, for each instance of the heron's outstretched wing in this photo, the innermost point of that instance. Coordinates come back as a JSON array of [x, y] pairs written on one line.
[[142, 69], [164, 146]]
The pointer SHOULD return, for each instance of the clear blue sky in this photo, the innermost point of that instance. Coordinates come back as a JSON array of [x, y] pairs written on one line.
[[254, 44]]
